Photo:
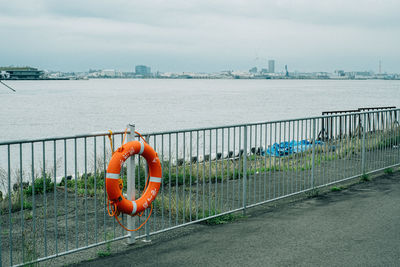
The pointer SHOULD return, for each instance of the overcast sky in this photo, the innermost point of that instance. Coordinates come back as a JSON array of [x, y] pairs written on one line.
[[202, 36]]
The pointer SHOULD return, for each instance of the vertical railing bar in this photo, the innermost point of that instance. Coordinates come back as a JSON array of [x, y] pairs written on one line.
[[222, 168], [95, 187], [398, 136], [204, 171], [104, 189], [234, 168], [318, 153], [259, 157], [176, 179], [239, 166], [190, 176], [280, 178], [265, 160], [33, 198], [244, 169], [379, 137], [270, 161], [255, 165], [228, 173], [209, 177], [1, 241], [251, 163], [338, 138], [76, 189], [343, 121], [86, 223], [298, 154], [216, 173], [259, 164], [363, 146], [293, 160], [55, 195], [197, 175], [184, 177], [392, 142], [290, 155], [147, 226], [22, 204], [163, 182], [65, 195], [284, 171], [169, 181], [112, 150], [275, 163], [44, 200], [9, 203], [154, 220], [313, 154], [138, 180], [304, 154]]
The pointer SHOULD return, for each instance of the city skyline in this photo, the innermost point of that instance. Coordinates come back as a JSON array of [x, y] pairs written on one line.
[[204, 36]]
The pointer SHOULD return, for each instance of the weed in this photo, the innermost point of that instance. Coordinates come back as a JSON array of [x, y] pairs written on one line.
[[388, 171], [223, 219], [336, 189], [39, 186], [107, 251], [365, 178]]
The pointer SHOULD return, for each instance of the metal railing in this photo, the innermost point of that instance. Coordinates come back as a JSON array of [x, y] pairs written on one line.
[[53, 200]]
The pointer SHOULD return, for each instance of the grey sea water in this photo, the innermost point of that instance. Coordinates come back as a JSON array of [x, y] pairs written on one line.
[[60, 108]]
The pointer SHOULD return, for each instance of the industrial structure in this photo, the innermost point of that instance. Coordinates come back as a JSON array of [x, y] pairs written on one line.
[[20, 73]]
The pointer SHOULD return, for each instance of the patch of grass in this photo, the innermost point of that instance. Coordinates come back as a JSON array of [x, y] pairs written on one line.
[[39, 186], [107, 251], [15, 203], [223, 219], [365, 178], [336, 188], [388, 171]]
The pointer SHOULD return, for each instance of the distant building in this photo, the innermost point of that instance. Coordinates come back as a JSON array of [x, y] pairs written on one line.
[[108, 73], [142, 70], [21, 73], [271, 66], [340, 73], [253, 70], [264, 71]]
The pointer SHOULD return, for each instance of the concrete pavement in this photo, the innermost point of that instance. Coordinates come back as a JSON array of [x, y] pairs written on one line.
[[358, 226]]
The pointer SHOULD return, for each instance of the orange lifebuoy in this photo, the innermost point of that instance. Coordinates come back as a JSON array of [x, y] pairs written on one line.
[[114, 191]]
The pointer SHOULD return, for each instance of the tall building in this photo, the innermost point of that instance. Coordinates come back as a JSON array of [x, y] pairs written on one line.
[[142, 70], [271, 66]]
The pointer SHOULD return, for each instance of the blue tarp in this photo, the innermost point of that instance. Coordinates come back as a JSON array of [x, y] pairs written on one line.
[[287, 148]]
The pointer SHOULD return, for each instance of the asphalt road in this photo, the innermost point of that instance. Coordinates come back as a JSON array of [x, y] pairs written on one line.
[[358, 226]]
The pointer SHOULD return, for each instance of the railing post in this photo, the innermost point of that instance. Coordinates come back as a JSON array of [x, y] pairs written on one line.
[[313, 155], [130, 187], [147, 226], [363, 146], [244, 169]]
